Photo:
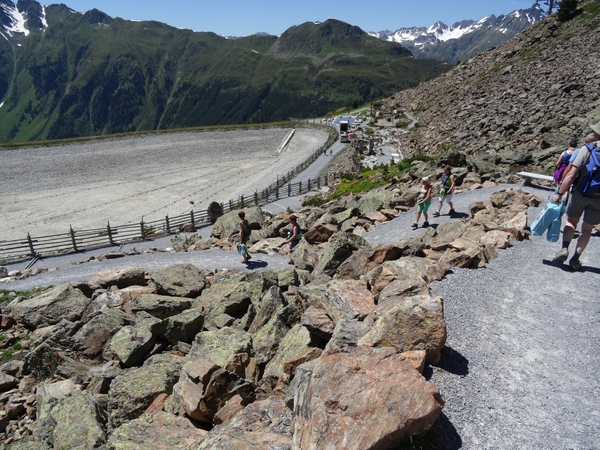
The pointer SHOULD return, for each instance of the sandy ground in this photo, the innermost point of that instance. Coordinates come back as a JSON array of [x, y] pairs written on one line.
[[45, 190]]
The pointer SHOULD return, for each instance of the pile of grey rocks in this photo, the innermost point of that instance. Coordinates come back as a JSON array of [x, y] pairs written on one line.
[[301, 357]]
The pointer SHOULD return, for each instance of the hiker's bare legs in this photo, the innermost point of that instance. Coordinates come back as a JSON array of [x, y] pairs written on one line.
[[569, 229], [584, 237]]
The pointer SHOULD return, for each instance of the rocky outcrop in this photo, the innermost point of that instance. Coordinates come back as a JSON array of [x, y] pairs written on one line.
[[488, 108], [266, 358]]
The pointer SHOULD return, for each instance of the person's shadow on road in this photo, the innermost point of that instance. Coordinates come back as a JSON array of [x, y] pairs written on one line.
[[252, 264], [566, 268]]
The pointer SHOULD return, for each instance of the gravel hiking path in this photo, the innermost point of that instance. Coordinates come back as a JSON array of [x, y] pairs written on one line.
[[121, 180], [520, 367]]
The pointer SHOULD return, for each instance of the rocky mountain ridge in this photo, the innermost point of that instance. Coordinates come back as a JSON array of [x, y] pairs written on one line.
[[462, 40], [64, 74], [513, 107]]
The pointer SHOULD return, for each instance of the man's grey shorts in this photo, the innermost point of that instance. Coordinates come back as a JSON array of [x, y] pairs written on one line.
[[586, 206]]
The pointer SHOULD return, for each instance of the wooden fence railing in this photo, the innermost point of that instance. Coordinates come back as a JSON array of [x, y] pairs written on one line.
[[75, 240]]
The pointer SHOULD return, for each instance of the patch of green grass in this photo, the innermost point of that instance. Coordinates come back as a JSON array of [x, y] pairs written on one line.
[[5, 294], [374, 178], [8, 354], [357, 185], [315, 201]]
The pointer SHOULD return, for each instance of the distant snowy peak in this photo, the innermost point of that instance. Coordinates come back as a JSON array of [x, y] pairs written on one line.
[[464, 39], [440, 32], [15, 19]]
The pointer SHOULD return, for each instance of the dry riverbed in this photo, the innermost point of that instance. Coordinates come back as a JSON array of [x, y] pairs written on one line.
[[46, 189]]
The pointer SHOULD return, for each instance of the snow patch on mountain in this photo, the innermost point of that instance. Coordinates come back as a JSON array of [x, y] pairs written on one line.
[[440, 32], [16, 20]]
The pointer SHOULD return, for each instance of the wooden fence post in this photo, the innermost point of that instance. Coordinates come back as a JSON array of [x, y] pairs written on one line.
[[142, 229], [300, 187], [73, 240], [110, 238], [168, 225], [230, 205], [32, 250], [308, 188], [242, 201], [256, 198], [289, 189], [192, 217]]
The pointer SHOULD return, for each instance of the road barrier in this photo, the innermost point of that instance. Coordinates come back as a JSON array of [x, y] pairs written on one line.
[[75, 240]]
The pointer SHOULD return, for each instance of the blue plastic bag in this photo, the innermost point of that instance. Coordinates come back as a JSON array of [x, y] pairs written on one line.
[[242, 249], [554, 229], [545, 218]]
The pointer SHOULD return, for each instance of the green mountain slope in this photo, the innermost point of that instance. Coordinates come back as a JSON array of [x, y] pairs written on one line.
[[90, 74]]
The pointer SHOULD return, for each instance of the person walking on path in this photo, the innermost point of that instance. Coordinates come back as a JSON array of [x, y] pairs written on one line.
[[446, 191], [579, 204], [294, 235], [423, 203], [563, 162], [244, 237]]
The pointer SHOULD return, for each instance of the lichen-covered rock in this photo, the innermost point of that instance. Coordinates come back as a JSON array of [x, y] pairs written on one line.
[[377, 199], [338, 251], [366, 259], [346, 335], [201, 401], [133, 391], [272, 302], [181, 280], [304, 256], [217, 346], [347, 299], [131, 343], [182, 327], [415, 323], [160, 306], [261, 425], [50, 307], [409, 267], [75, 421], [294, 343], [160, 431], [236, 288], [266, 339], [99, 328]]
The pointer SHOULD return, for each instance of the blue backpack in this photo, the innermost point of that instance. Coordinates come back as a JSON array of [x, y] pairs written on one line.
[[590, 186]]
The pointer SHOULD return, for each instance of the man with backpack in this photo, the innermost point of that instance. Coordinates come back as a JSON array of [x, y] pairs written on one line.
[[584, 176]]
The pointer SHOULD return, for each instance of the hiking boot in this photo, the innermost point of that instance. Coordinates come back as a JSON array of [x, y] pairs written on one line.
[[415, 226], [575, 264], [436, 214], [425, 224], [561, 257], [452, 212]]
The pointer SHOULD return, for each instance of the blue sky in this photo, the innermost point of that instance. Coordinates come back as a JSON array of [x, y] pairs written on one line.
[[242, 18]]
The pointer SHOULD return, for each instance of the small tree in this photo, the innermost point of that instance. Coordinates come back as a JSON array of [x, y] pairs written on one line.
[[566, 10]]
